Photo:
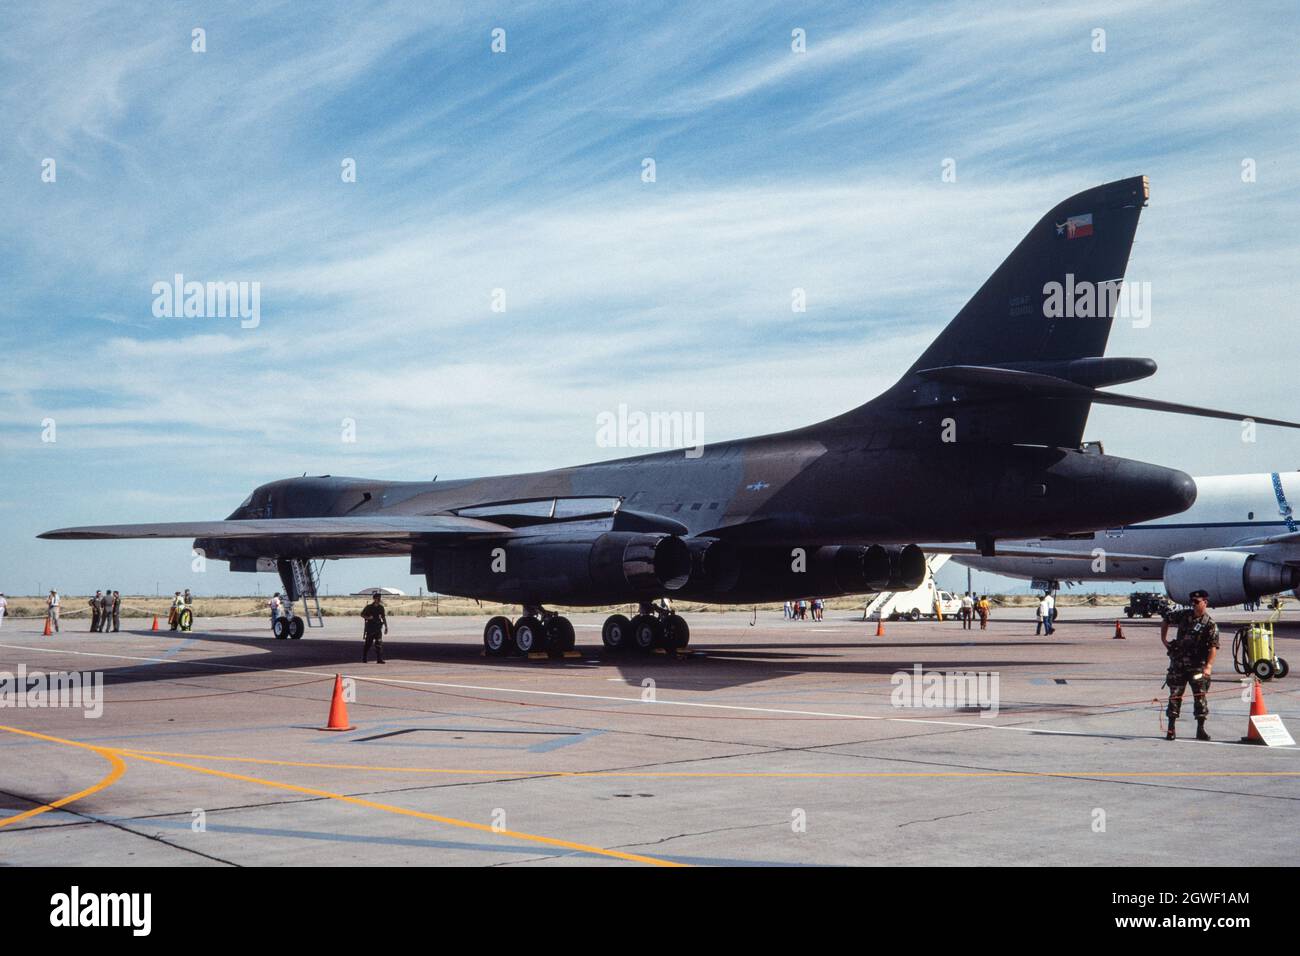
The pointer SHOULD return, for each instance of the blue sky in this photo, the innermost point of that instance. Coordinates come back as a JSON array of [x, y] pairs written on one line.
[[522, 171]]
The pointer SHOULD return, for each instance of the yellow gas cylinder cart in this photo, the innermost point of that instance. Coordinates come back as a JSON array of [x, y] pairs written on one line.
[[1253, 651]]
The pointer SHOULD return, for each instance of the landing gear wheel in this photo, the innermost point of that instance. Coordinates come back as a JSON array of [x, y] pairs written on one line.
[[497, 636], [529, 636], [280, 628], [559, 634], [296, 627], [1263, 669], [677, 633], [1283, 668], [647, 633], [617, 633]]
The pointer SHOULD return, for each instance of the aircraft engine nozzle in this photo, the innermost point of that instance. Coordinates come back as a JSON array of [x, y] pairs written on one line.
[[715, 564], [907, 569], [651, 562], [1230, 577]]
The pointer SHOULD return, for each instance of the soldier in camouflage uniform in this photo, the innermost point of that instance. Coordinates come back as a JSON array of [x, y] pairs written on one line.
[[1191, 658]]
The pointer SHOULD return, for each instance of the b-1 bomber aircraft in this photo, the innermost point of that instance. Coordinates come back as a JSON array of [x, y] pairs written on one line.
[[980, 440]]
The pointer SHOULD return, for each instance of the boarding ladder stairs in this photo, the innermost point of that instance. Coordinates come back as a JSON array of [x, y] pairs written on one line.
[[306, 577]]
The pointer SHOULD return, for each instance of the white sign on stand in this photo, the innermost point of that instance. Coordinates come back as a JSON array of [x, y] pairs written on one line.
[[1270, 728]]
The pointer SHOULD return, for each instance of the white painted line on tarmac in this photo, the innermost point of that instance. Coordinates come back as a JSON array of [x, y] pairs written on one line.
[[656, 702]]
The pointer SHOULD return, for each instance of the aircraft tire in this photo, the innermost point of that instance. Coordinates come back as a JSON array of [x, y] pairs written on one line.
[[497, 636], [616, 634], [559, 634], [280, 628], [529, 635], [677, 633], [296, 627], [647, 633]]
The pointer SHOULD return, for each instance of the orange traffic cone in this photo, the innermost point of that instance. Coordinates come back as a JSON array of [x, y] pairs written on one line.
[[1119, 632], [155, 623], [1257, 709], [47, 628], [880, 627], [338, 709]]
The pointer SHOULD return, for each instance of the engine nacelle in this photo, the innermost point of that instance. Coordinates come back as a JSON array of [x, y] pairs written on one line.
[[768, 573], [1230, 577], [559, 568]]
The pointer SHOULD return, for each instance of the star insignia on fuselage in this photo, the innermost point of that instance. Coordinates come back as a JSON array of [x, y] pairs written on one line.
[[757, 486]]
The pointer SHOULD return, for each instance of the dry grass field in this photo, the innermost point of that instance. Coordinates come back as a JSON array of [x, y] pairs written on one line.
[[74, 606]]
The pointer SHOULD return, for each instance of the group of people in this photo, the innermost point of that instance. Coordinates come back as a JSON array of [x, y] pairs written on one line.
[[972, 607], [800, 609], [105, 610]]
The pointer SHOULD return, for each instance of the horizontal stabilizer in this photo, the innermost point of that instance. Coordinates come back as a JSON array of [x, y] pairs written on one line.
[[397, 527], [1037, 385]]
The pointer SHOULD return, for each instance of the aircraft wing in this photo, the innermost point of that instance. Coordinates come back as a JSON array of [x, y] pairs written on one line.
[[394, 527]]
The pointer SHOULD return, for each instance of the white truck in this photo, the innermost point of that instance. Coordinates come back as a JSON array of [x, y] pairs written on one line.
[[927, 600]]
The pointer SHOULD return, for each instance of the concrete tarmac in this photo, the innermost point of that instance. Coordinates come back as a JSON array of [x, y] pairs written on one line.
[[776, 743]]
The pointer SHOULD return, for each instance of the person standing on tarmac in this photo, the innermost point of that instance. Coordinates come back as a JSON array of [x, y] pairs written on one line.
[[375, 626], [1046, 612], [1191, 659], [967, 611], [983, 607], [94, 611], [174, 618], [52, 609], [117, 612], [105, 610]]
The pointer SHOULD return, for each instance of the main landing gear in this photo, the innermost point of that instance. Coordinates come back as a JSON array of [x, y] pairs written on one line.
[[538, 631], [652, 627]]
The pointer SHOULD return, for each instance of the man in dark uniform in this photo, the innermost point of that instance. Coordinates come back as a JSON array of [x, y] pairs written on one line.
[[105, 610], [94, 611], [376, 626], [1191, 658], [117, 611]]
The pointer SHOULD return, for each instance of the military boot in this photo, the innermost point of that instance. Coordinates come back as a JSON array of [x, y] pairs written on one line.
[[1169, 734], [1200, 730]]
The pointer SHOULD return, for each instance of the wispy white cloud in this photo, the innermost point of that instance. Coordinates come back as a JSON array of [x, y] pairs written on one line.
[[521, 172]]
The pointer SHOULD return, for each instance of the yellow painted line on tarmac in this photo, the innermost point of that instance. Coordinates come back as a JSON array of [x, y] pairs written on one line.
[[774, 774], [118, 768], [404, 811], [114, 755]]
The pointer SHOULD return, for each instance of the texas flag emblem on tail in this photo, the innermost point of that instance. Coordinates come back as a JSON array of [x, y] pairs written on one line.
[[1076, 227]]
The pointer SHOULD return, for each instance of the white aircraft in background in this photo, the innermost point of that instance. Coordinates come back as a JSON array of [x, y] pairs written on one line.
[[1239, 541]]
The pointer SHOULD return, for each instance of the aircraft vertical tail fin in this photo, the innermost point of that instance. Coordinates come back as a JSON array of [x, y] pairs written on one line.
[[1017, 316], [1042, 317]]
